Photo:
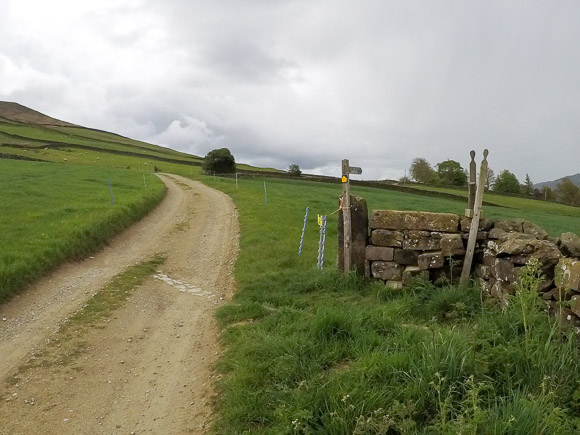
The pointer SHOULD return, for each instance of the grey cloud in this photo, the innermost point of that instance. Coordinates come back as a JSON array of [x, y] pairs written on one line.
[[311, 81]]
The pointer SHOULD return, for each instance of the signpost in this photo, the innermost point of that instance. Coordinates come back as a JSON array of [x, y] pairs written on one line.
[[475, 221], [346, 171]]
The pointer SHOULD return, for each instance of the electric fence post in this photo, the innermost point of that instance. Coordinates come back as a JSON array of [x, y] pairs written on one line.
[[303, 230]]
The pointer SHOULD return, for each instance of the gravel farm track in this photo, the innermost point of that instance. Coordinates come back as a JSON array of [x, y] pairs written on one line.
[[147, 368]]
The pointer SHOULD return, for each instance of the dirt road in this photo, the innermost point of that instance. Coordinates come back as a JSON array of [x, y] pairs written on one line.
[[148, 367]]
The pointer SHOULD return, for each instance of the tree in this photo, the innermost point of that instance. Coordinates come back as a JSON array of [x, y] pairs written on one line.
[[451, 173], [547, 193], [568, 192], [294, 170], [506, 182], [528, 186], [490, 179], [422, 172], [220, 161], [404, 179]]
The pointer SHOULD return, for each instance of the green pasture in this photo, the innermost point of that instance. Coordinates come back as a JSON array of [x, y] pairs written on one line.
[[509, 201], [309, 351], [53, 212]]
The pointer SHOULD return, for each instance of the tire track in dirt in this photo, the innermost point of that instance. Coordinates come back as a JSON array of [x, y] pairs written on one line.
[[147, 368]]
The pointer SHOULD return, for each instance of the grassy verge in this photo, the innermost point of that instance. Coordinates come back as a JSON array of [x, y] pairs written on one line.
[[313, 352], [52, 213]]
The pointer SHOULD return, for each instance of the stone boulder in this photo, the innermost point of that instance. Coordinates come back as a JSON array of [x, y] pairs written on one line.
[[569, 244]]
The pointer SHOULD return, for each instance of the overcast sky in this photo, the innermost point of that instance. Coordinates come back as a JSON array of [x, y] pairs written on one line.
[[310, 82]]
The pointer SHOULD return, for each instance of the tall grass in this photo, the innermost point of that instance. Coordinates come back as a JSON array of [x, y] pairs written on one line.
[[54, 212], [311, 351]]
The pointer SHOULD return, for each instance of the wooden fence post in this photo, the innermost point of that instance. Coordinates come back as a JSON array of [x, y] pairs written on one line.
[[472, 187], [473, 229], [346, 214]]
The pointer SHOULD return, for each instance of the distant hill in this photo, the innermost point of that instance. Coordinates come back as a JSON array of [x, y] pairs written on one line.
[[17, 113], [552, 184]]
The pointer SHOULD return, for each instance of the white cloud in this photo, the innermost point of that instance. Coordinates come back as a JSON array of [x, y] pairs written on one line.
[[186, 134]]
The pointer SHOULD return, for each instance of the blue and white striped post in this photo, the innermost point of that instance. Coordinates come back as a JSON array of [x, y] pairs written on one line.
[[323, 240], [303, 230], [322, 243]]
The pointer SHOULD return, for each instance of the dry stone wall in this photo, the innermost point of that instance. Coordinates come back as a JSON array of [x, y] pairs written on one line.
[[404, 245]]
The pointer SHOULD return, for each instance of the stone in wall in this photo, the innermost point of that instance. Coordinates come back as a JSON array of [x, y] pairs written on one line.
[[522, 226], [485, 224], [414, 220], [412, 273], [575, 305], [482, 271], [406, 257], [510, 225], [380, 253], [416, 240], [431, 260], [567, 274], [495, 233], [387, 270], [507, 251], [479, 236], [569, 244], [535, 230], [503, 270], [519, 248], [387, 238], [452, 244]]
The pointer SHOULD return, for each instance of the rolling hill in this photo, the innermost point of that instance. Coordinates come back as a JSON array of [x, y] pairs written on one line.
[[553, 184], [17, 113]]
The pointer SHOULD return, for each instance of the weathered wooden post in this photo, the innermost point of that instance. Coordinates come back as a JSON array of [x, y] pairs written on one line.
[[472, 187], [346, 214], [475, 221]]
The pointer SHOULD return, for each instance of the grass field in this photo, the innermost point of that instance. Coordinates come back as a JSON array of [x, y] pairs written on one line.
[[53, 212], [510, 201], [314, 352]]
